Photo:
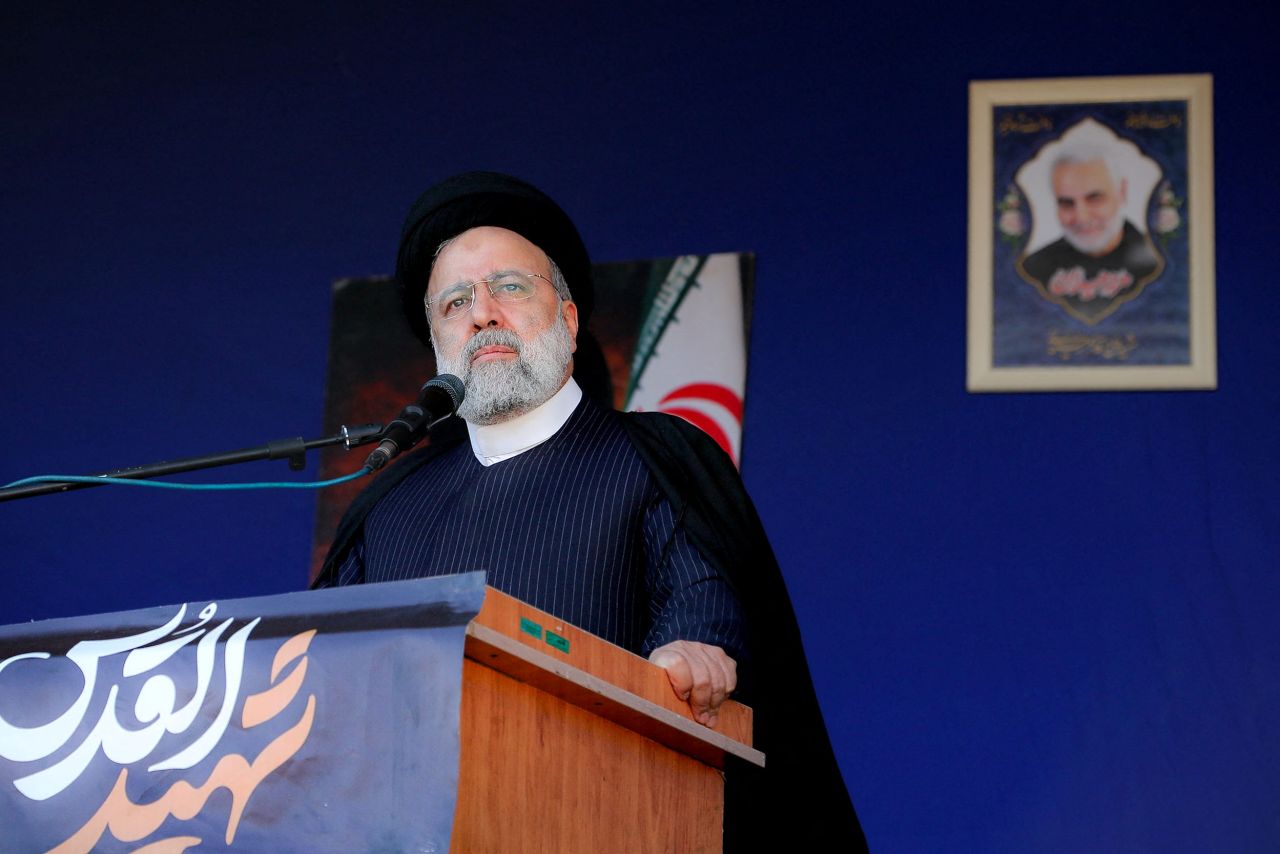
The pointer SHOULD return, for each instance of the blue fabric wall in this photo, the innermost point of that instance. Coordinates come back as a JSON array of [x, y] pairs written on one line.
[[1037, 622]]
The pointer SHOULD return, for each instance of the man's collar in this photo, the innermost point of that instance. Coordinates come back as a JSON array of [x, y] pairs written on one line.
[[492, 443]]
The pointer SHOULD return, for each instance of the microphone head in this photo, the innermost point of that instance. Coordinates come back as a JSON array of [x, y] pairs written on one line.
[[448, 384]]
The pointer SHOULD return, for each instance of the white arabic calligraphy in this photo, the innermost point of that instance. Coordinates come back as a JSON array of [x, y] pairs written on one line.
[[155, 706]]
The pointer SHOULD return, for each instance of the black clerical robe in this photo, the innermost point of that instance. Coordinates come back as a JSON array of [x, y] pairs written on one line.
[[799, 801], [575, 525]]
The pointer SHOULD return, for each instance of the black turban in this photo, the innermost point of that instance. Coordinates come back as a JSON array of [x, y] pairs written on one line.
[[473, 199]]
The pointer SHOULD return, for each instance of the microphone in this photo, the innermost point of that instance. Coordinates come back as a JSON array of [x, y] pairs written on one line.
[[438, 399]]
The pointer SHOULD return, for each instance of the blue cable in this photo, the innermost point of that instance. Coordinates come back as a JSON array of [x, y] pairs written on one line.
[[161, 484]]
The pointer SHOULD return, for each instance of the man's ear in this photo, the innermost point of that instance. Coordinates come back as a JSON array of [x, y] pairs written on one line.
[[570, 311], [1124, 190]]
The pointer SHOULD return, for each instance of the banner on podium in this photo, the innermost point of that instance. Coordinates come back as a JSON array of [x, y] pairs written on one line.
[[321, 720]]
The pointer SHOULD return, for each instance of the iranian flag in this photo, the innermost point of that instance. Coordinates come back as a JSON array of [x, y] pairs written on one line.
[[691, 356]]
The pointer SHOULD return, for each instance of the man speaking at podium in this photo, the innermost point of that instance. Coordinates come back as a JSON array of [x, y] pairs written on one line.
[[632, 526]]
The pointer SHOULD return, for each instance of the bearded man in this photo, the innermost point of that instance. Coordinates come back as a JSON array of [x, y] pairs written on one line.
[[632, 526], [1102, 260]]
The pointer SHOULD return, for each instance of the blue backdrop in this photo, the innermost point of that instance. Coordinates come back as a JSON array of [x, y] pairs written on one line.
[[1037, 622]]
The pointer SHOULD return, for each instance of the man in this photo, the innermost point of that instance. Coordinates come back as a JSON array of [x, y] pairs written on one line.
[[1102, 260], [632, 526]]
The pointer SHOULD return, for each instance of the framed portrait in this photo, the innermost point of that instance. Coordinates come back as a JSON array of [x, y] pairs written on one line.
[[1091, 234]]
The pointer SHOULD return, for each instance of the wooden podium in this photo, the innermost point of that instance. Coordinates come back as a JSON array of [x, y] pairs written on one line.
[[571, 744]]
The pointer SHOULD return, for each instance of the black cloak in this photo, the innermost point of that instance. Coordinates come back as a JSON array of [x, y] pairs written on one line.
[[799, 799]]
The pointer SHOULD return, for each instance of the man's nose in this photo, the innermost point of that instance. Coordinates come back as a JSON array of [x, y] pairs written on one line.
[[485, 310]]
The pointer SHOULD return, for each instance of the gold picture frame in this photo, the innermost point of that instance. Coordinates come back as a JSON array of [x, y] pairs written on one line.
[[1091, 234]]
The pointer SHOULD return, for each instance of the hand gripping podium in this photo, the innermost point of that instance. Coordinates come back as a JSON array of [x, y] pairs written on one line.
[[571, 744]]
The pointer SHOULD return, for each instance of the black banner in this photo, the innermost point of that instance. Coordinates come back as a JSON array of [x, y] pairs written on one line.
[[316, 721]]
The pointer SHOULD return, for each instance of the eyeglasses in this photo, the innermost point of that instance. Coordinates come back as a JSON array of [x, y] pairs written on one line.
[[503, 286]]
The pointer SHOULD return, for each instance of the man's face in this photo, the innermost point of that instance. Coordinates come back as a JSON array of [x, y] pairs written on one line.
[[1090, 206], [512, 356]]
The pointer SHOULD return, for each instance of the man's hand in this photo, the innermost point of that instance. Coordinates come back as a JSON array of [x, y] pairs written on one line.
[[700, 673]]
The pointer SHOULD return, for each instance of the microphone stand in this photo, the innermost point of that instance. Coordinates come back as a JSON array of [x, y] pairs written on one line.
[[294, 450]]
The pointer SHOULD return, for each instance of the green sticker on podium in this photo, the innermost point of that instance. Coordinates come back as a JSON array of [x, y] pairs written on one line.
[[558, 642]]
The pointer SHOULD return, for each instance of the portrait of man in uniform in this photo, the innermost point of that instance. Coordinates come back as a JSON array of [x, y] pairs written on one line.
[[1090, 251]]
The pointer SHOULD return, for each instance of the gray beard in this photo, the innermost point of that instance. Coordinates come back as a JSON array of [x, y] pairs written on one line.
[[501, 390], [1094, 246]]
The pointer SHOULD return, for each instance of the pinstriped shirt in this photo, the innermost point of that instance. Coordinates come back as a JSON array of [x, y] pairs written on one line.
[[574, 526]]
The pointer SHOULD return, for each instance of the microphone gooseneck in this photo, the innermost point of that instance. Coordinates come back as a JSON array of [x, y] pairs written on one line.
[[438, 399]]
